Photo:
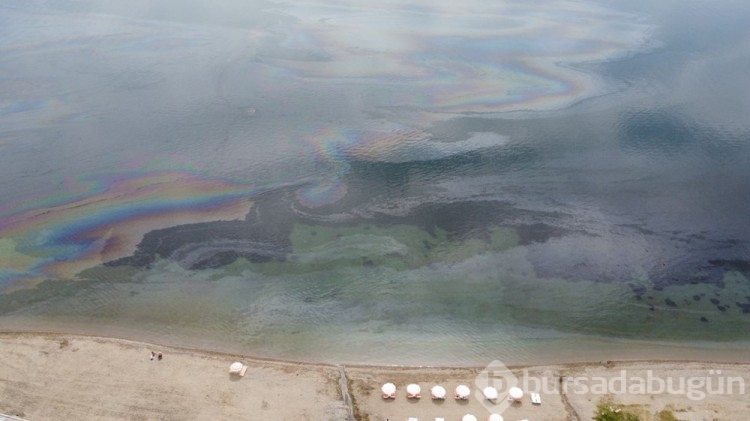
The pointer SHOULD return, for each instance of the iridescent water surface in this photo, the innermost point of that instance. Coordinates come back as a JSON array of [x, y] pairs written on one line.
[[397, 182]]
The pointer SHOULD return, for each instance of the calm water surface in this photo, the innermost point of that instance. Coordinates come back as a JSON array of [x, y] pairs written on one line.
[[398, 182]]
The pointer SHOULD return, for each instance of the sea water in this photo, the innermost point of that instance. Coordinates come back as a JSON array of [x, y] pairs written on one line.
[[392, 183]]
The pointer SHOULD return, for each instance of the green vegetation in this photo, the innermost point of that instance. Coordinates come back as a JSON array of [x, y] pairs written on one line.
[[666, 415], [608, 411]]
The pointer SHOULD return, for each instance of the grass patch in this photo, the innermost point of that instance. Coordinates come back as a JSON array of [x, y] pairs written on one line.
[[607, 410], [666, 415]]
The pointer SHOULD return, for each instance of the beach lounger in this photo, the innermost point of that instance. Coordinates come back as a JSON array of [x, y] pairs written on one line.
[[243, 371], [413, 419], [536, 399]]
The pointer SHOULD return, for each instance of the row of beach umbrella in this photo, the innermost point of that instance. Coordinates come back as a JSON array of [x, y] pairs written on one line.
[[438, 392]]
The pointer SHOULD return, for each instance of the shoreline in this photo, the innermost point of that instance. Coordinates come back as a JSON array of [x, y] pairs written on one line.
[[254, 357], [50, 375]]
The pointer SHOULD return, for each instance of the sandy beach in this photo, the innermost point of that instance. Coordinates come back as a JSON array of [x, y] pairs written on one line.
[[70, 377]]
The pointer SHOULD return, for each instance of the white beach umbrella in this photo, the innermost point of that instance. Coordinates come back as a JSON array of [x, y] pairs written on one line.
[[515, 393], [413, 389], [469, 417], [463, 391], [389, 389], [490, 392], [495, 417], [235, 367], [438, 392]]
